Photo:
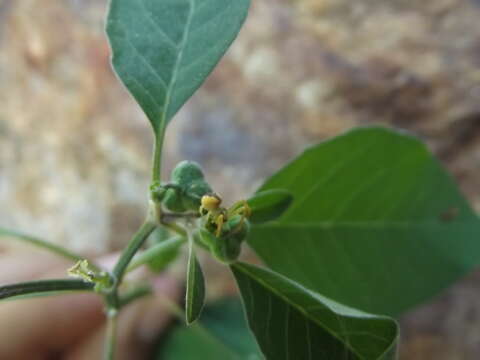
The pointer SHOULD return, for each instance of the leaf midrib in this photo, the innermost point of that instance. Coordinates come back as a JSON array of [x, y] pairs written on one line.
[[178, 61], [331, 225]]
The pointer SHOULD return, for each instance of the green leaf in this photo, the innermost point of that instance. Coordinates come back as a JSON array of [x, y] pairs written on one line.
[[220, 334], [160, 255], [36, 288], [292, 322], [376, 224], [269, 205], [195, 294], [164, 49]]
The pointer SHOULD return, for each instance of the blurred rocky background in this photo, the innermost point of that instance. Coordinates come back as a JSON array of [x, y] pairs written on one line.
[[75, 149]]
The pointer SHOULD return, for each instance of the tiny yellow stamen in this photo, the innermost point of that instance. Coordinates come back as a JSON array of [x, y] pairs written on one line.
[[211, 202], [220, 220]]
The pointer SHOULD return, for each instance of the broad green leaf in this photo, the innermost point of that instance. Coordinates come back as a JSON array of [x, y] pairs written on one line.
[[292, 322], [269, 205], [220, 334], [195, 294], [35, 288], [376, 223], [163, 50]]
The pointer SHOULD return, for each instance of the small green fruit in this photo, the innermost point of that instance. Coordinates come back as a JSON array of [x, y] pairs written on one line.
[[186, 172]]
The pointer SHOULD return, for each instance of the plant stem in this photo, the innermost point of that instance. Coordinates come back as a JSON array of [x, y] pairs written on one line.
[[112, 299], [56, 249], [44, 286], [111, 335], [129, 252], [157, 156]]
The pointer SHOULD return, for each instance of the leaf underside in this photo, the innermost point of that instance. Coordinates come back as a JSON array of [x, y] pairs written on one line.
[[164, 50], [292, 322], [376, 223]]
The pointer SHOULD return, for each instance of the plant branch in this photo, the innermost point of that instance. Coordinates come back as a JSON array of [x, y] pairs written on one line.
[[56, 249], [44, 286], [129, 252], [111, 335]]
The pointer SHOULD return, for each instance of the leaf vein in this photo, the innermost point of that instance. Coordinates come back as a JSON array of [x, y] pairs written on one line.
[[147, 63], [152, 20], [178, 61]]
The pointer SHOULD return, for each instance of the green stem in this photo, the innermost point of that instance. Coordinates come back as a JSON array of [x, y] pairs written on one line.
[[157, 155], [129, 252], [111, 335], [44, 286], [45, 245]]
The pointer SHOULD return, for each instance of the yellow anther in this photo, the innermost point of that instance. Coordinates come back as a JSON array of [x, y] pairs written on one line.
[[211, 202]]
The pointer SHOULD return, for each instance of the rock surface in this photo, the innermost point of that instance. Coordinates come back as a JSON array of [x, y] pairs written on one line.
[[75, 149]]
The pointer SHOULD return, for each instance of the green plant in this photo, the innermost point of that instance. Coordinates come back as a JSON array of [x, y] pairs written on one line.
[[368, 220]]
